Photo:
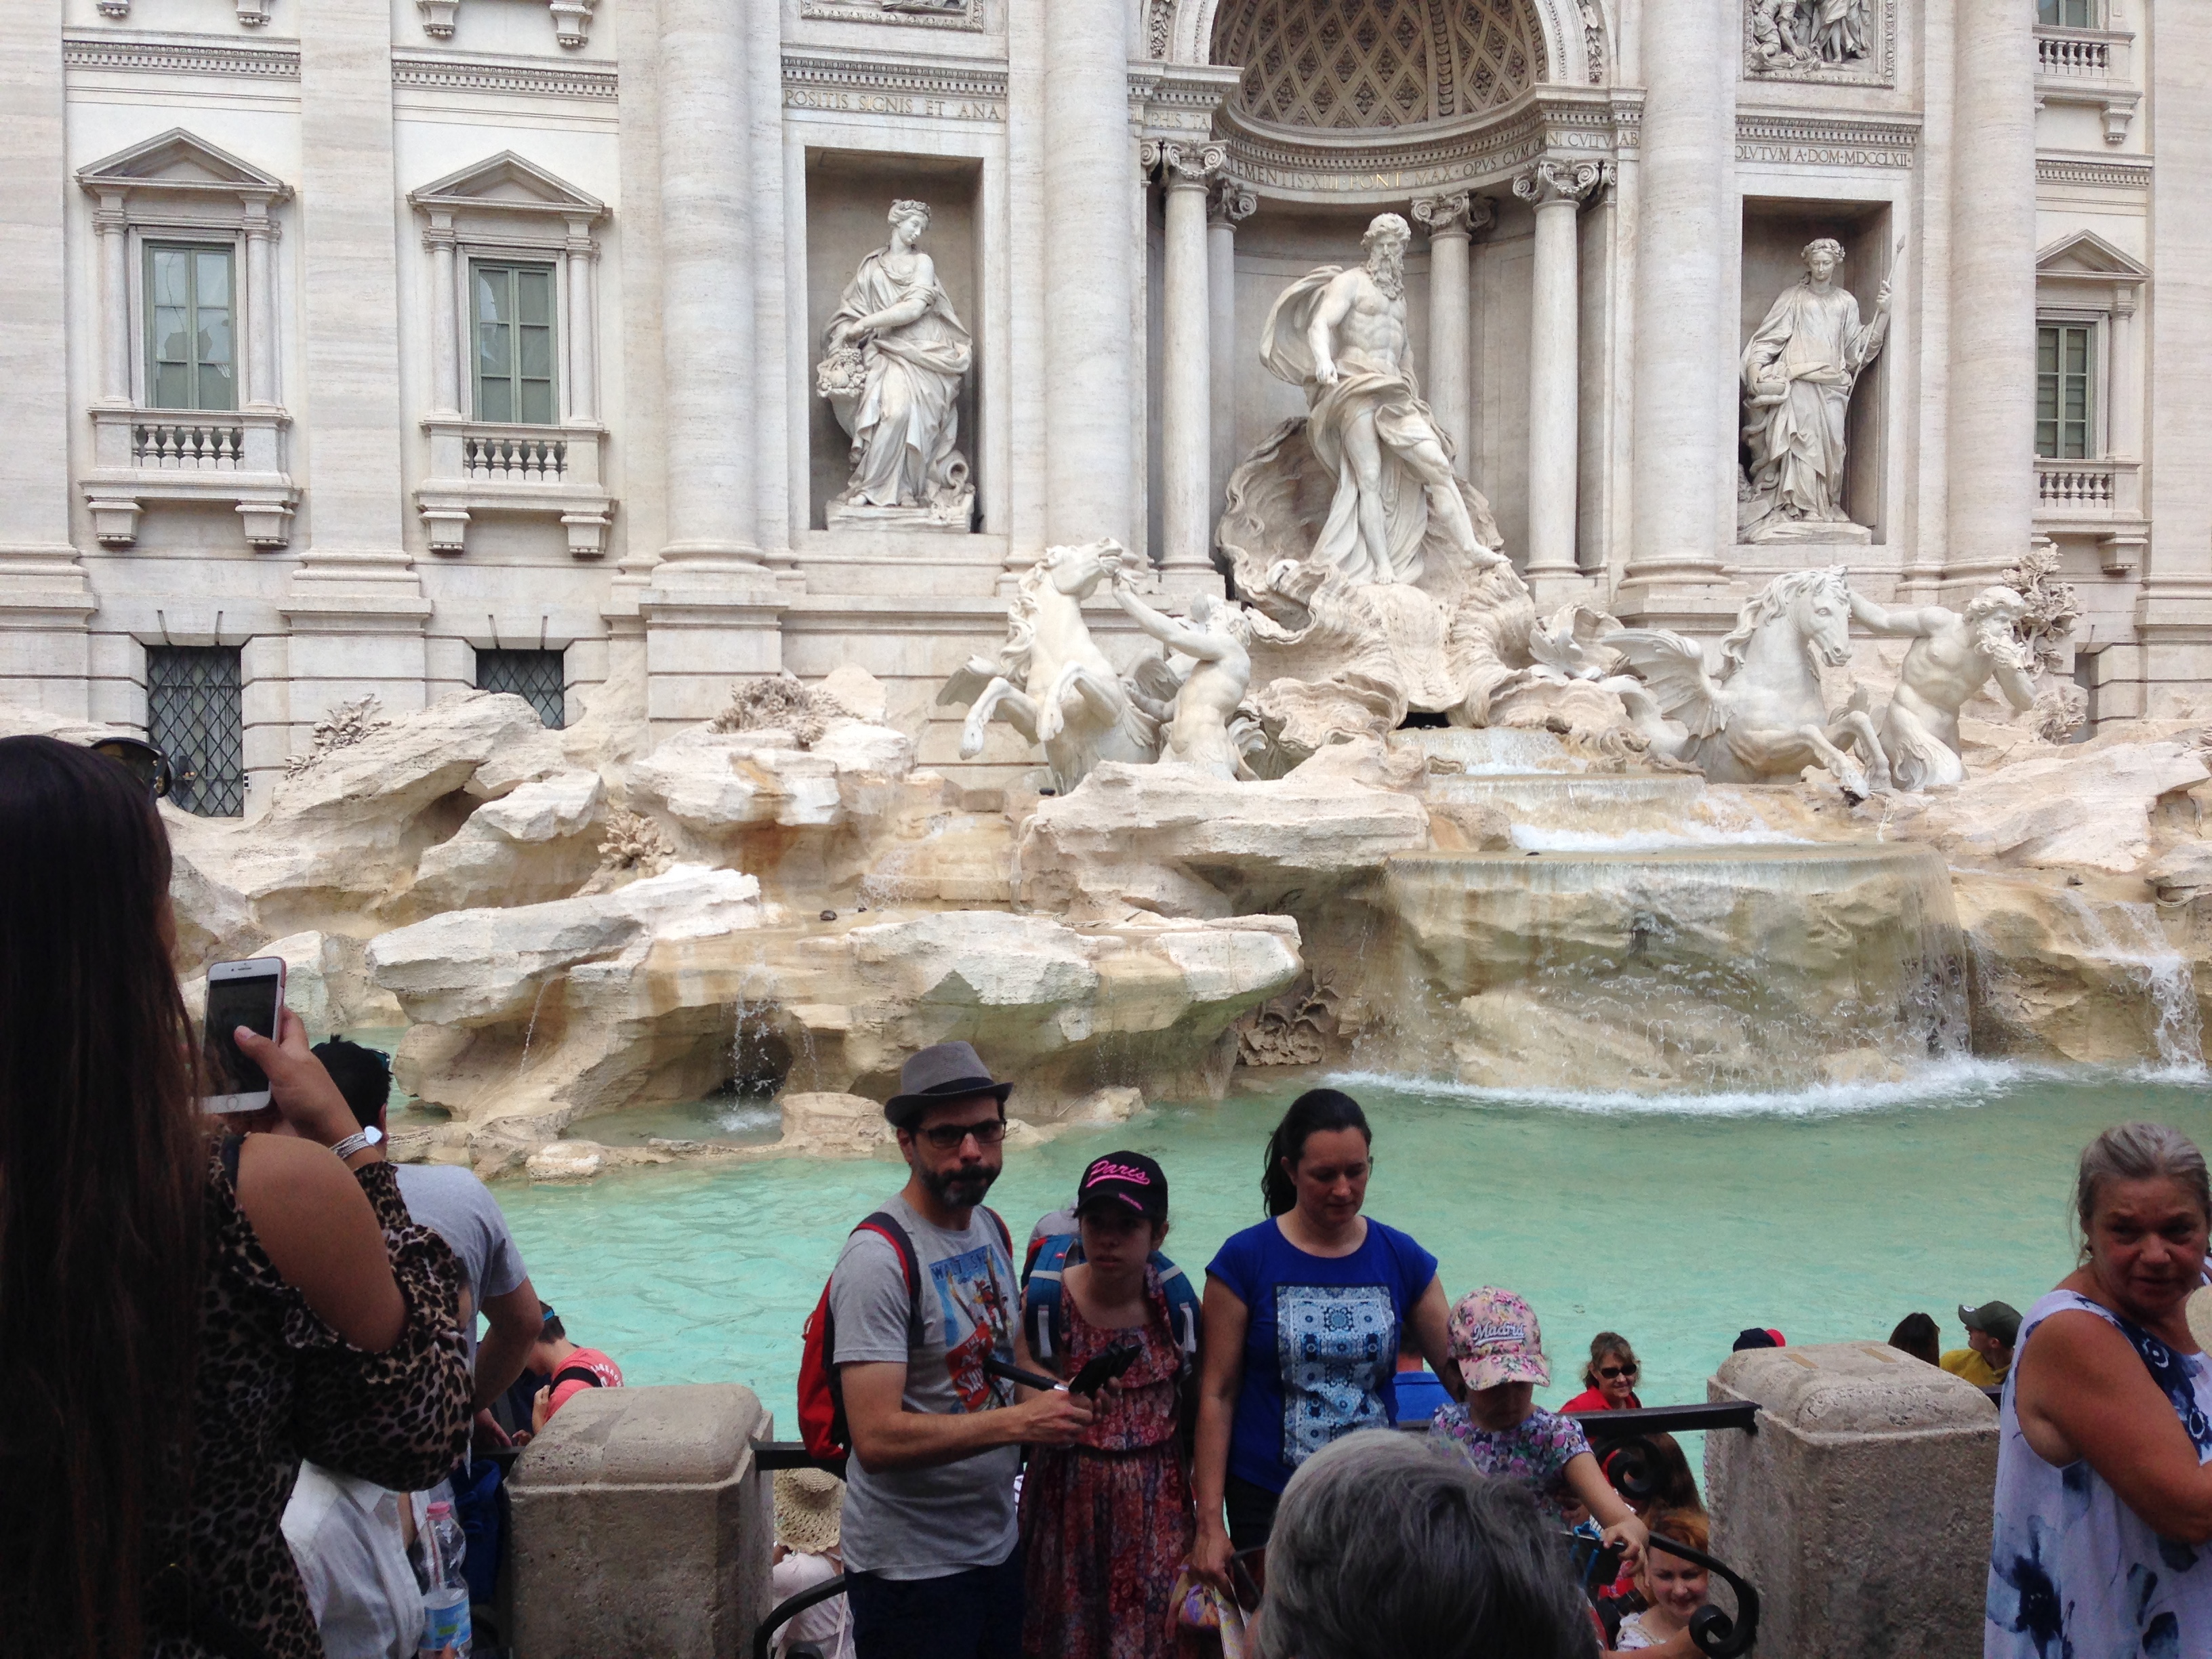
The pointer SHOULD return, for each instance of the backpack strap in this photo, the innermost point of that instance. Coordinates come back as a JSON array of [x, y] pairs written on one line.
[[1184, 1315], [999, 1222], [1044, 1306], [583, 1374], [886, 1227]]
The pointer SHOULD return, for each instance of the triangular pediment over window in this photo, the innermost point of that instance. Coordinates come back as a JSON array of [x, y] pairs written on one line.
[[2086, 254], [176, 161], [507, 182]]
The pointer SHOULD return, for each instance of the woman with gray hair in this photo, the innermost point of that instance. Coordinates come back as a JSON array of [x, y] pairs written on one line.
[[1386, 1546], [2104, 1503]]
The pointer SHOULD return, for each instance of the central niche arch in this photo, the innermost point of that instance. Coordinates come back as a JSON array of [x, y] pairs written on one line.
[[1343, 65]]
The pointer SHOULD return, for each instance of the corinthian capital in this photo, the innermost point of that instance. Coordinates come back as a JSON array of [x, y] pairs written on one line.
[[1455, 213], [1228, 200], [1184, 166], [1545, 182]]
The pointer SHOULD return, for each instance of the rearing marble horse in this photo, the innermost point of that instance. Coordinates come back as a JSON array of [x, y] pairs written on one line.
[[1052, 683], [1762, 716]]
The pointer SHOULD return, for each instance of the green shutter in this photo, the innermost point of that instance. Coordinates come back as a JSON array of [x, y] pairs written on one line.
[[191, 337], [2065, 391], [513, 315]]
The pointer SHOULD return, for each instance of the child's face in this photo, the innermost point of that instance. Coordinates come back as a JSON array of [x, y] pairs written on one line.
[[1503, 1406], [1674, 1584]]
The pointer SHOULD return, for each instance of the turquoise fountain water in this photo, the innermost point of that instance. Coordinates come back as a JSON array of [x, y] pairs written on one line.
[[1678, 1220]]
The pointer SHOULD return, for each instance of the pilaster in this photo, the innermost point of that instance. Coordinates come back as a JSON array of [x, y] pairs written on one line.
[[1229, 202], [1557, 189], [1187, 173], [1452, 218]]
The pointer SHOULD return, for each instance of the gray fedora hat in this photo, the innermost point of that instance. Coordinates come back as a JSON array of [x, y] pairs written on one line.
[[939, 1075]]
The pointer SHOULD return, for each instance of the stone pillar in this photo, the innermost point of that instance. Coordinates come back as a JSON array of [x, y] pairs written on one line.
[[583, 326], [263, 389], [1684, 404], [1860, 1508], [445, 315], [641, 1525], [355, 605], [1187, 396], [1226, 202], [112, 227], [1450, 219], [1557, 189], [1090, 275], [46, 598], [711, 613], [1992, 391]]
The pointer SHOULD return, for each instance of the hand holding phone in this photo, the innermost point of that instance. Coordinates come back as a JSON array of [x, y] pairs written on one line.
[[311, 1104], [247, 994], [1106, 1368]]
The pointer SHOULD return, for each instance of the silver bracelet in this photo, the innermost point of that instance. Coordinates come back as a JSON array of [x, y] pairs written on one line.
[[359, 1140]]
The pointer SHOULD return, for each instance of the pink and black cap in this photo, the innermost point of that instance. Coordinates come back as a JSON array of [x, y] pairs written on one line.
[[1128, 1181]]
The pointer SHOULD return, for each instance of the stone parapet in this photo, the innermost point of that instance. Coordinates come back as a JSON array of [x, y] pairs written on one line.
[[1860, 1507], [642, 1526]]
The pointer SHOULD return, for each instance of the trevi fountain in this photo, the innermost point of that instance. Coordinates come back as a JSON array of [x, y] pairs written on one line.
[[1128, 562]]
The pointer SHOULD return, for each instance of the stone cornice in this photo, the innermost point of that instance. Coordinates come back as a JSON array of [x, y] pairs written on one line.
[[1571, 123], [2064, 167], [967, 15], [904, 83], [548, 77], [1178, 101], [1797, 139], [148, 54]]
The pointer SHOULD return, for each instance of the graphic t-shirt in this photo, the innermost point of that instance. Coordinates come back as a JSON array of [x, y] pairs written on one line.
[[1534, 1451], [1321, 1343], [928, 1523]]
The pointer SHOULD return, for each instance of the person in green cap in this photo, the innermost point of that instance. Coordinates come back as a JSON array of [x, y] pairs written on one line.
[[1992, 1330]]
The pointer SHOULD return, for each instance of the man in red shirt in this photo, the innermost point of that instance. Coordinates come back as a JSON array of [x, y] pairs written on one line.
[[572, 1369]]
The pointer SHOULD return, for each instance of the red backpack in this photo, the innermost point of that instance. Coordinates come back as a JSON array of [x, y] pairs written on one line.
[[820, 1397]]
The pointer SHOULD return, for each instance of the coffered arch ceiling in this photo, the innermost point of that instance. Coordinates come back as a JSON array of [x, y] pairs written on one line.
[[1348, 65]]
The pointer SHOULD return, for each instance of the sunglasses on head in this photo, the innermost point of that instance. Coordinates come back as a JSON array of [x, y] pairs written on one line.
[[1609, 1372], [147, 764], [947, 1137]]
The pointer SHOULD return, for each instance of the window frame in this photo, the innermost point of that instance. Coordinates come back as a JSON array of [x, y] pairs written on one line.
[[477, 260], [560, 656], [149, 248], [183, 791], [2092, 12], [2096, 382], [153, 229]]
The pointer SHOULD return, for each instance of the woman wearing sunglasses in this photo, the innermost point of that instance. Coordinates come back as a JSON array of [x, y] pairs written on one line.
[[1609, 1379]]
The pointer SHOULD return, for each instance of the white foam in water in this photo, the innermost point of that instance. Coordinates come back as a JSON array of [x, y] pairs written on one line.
[[1960, 1082], [1531, 838], [749, 1118]]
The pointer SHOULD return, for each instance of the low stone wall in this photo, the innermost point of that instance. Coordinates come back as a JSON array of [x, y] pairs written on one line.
[[642, 1526], [1860, 1508]]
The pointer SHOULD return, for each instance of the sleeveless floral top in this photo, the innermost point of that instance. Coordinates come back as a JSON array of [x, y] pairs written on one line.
[[2074, 1572]]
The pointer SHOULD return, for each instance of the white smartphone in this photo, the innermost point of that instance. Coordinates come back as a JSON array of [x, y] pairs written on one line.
[[247, 994]]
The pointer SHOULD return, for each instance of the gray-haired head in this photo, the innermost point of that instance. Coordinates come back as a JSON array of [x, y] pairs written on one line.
[[2139, 1152], [1387, 1546]]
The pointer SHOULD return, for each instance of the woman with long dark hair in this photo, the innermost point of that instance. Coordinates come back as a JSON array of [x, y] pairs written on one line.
[[184, 1315], [1303, 1318]]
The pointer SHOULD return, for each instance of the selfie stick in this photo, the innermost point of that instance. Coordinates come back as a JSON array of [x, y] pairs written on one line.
[[1027, 1379]]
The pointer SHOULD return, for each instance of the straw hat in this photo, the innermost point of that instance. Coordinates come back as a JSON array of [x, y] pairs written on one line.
[[807, 1505]]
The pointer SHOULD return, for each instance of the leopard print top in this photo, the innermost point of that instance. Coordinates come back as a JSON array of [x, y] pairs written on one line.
[[276, 1384]]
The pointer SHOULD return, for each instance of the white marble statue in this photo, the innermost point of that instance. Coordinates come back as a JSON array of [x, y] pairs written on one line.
[[1763, 715], [1051, 682], [1798, 373], [1951, 658], [1217, 637], [1800, 34], [1341, 335], [893, 359]]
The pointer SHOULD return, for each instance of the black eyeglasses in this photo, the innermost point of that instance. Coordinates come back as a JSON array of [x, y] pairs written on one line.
[[1609, 1372], [947, 1137], [147, 764]]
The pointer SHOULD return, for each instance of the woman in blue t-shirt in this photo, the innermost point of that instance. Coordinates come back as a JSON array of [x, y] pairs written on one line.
[[1303, 1318]]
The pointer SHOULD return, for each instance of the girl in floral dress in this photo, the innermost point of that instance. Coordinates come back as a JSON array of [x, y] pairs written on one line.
[[1107, 1522]]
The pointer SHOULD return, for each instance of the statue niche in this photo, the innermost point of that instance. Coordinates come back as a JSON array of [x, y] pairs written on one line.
[[893, 359], [1799, 371]]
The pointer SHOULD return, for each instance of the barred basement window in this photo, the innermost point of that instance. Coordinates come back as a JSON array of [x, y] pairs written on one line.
[[193, 715], [539, 677]]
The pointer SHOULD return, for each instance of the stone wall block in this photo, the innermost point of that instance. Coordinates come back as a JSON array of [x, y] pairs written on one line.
[[641, 1525], [1860, 1509]]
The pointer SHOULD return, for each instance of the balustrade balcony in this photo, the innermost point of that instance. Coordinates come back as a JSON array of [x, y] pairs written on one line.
[[2091, 67], [142, 455], [2099, 498], [487, 467]]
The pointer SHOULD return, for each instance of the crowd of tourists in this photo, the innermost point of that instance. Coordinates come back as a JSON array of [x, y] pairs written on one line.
[[253, 1417]]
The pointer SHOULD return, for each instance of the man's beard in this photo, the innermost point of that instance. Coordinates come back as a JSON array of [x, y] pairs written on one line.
[[1386, 265], [958, 1189]]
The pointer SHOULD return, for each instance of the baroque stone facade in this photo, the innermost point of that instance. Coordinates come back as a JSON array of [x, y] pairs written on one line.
[[399, 349]]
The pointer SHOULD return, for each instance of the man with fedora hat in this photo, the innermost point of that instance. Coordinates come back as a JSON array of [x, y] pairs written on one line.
[[924, 1293]]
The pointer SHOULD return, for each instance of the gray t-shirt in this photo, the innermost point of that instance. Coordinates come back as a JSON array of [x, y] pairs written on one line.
[[928, 1523], [460, 1209]]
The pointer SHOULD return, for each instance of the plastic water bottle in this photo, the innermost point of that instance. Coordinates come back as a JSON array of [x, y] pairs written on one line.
[[446, 1598]]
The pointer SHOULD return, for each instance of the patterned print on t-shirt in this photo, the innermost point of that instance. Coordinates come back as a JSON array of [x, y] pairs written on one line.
[[1334, 1341], [977, 1326]]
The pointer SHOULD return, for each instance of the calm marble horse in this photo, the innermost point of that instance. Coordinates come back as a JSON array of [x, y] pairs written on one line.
[[1763, 715]]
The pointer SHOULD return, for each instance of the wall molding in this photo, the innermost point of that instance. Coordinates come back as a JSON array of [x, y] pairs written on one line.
[[549, 77], [142, 54], [966, 14], [945, 89], [2132, 173], [1796, 140]]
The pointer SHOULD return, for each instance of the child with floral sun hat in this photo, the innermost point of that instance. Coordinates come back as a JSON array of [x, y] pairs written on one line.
[[1500, 1349]]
